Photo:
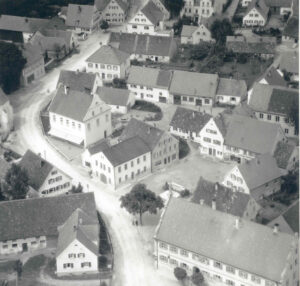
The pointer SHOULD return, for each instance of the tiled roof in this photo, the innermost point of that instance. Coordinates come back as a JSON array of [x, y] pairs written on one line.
[[80, 15], [41, 216], [150, 77], [32, 53], [149, 134], [260, 6], [251, 247], [98, 146], [187, 30], [126, 150], [283, 153], [273, 77], [3, 97], [101, 4], [75, 80], [113, 96], [194, 84], [292, 28], [153, 13], [56, 33], [81, 227], [37, 169], [279, 3], [243, 109], [189, 120], [226, 200], [108, 55], [143, 44], [259, 171], [289, 61], [232, 87]]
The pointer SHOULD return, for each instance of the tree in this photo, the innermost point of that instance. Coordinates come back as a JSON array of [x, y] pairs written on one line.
[[180, 274], [220, 29], [140, 200], [290, 183], [16, 183], [12, 63], [76, 190], [200, 51], [104, 25], [197, 278], [174, 6]]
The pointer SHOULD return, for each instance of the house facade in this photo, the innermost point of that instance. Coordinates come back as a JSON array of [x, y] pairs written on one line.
[[198, 9], [194, 35], [256, 14], [115, 12]]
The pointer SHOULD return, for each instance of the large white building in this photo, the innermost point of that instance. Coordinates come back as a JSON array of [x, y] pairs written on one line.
[[257, 13], [198, 9], [112, 11], [224, 248]]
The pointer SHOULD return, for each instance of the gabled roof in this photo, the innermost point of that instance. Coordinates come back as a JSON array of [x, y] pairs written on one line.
[[113, 96], [187, 30], [98, 146], [126, 150], [226, 200], [32, 53], [279, 3], [150, 77], [260, 6], [3, 97], [283, 153], [153, 13], [273, 77], [56, 33], [202, 230], [108, 55], [273, 99], [101, 4], [80, 15], [243, 109], [194, 84], [232, 87], [37, 169], [75, 80], [149, 134], [81, 227], [259, 171], [41, 216], [189, 120], [292, 28], [289, 61]]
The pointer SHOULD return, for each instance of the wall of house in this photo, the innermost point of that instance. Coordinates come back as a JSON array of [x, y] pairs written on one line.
[[238, 154], [191, 100], [155, 58], [33, 72], [140, 24], [205, 9], [71, 259], [235, 181], [6, 120], [251, 210], [267, 189], [228, 99], [113, 13], [285, 10], [254, 18], [106, 72]]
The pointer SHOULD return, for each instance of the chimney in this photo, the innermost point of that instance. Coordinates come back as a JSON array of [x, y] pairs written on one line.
[[66, 89], [201, 202], [237, 223], [275, 228], [213, 204]]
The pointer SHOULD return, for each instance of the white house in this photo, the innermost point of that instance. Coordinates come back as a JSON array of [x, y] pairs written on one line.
[[149, 84], [6, 116], [79, 117], [148, 20], [112, 11], [78, 245], [256, 14], [44, 178], [231, 250], [109, 63], [198, 9], [195, 34]]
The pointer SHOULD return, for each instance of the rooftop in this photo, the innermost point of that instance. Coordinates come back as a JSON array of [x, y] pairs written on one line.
[[182, 225], [292, 28], [279, 3], [232, 87], [152, 12], [188, 30], [289, 61], [80, 15], [283, 153], [32, 54], [273, 77], [113, 96], [260, 6], [98, 146]]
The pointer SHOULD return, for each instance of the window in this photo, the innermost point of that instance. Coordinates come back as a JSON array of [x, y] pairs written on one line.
[[98, 121], [269, 283], [286, 131], [86, 264], [184, 252], [255, 279], [184, 98], [132, 164], [218, 265], [102, 66], [146, 28], [163, 258], [174, 249], [54, 117], [205, 139], [72, 255], [173, 262], [125, 166], [81, 255], [4, 246], [144, 158], [90, 65], [269, 116], [89, 126], [217, 142], [106, 117], [109, 67], [230, 269], [201, 259], [277, 118], [68, 265], [261, 115], [115, 68], [191, 99], [15, 245], [206, 101], [229, 282], [163, 245], [119, 169], [211, 131], [138, 160]]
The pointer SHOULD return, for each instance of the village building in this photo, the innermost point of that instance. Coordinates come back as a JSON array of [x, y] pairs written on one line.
[[289, 64], [35, 64], [144, 47], [36, 221], [44, 178], [83, 18], [273, 104], [77, 249], [119, 100], [259, 177], [286, 156], [257, 14], [163, 146], [290, 33], [121, 163], [191, 88], [187, 123], [194, 35], [231, 91], [280, 7], [6, 116], [224, 199], [149, 84], [80, 81], [180, 241], [112, 11], [198, 9], [79, 117], [160, 4], [109, 63], [273, 76]]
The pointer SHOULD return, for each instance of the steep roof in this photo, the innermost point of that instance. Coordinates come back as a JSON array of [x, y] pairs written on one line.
[[150, 77], [187, 30], [101, 4], [194, 84], [79, 226], [292, 28], [37, 169], [283, 153], [108, 55], [233, 87], [75, 80], [41, 216], [126, 150], [226, 200], [98, 146], [289, 61], [3, 97], [259, 171], [279, 3], [56, 33], [260, 6], [189, 120], [113, 96], [80, 15], [152, 12], [149, 134], [273, 77], [32, 54], [274, 99], [183, 225]]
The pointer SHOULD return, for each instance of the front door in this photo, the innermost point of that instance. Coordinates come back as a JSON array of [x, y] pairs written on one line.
[[210, 151], [24, 247], [103, 178], [177, 99]]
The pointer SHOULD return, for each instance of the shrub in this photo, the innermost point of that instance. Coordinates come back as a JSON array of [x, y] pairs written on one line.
[[180, 273], [166, 186], [197, 278], [146, 106], [185, 193], [242, 58], [102, 261]]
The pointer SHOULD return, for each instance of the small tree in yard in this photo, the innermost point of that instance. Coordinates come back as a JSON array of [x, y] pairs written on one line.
[[220, 29], [140, 200], [104, 25], [180, 274], [197, 278], [76, 190]]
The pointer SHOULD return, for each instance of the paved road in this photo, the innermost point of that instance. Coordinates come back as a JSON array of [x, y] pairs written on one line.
[[134, 266]]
